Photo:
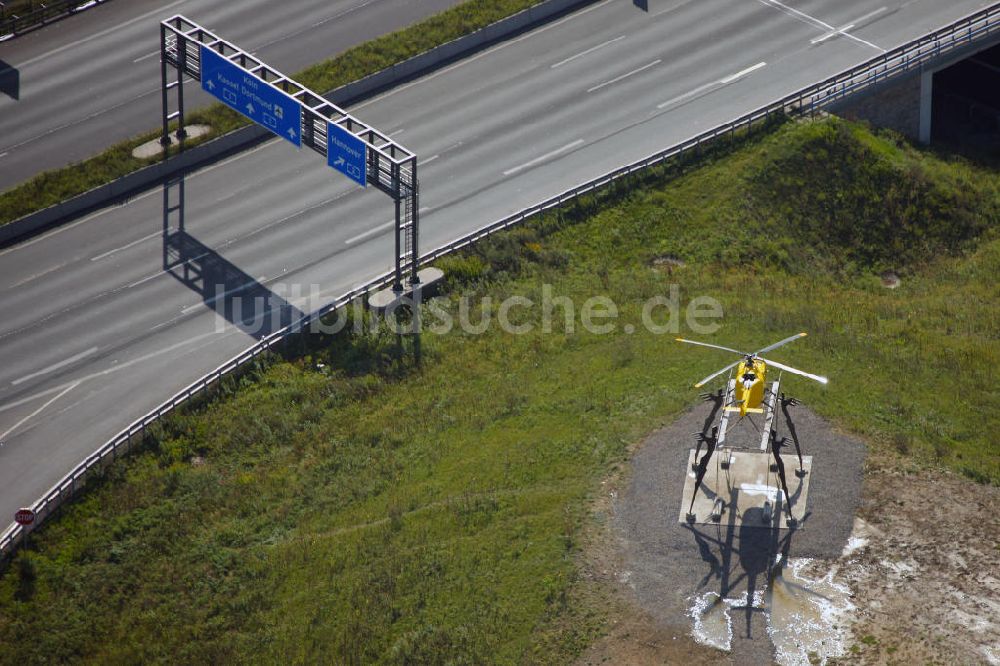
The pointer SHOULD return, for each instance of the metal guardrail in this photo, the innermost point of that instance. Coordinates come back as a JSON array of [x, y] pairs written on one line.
[[809, 100], [39, 14]]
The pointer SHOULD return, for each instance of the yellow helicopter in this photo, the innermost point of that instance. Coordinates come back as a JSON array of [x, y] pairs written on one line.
[[750, 373]]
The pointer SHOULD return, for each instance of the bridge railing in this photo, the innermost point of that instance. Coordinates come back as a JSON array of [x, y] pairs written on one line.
[[809, 100], [17, 21]]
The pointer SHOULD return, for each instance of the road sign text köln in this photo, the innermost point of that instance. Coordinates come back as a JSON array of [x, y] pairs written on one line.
[[346, 153], [256, 99]]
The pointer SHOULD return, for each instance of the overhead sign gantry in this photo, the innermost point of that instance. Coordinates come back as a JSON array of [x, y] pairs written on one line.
[[296, 114]]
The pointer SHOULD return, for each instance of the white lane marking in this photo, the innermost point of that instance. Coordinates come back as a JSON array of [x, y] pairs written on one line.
[[539, 160], [429, 160], [587, 52], [815, 22], [689, 94], [146, 279], [159, 11], [296, 33], [80, 120], [33, 397], [624, 76], [726, 80], [4, 154], [65, 388], [148, 55], [371, 232], [870, 15], [853, 24], [374, 231], [670, 9], [37, 275], [739, 75], [125, 247], [832, 33], [38, 411], [55, 366], [466, 61], [112, 208], [219, 295]]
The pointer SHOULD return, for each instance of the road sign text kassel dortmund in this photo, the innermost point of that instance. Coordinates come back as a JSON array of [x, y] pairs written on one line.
[[254, 98]]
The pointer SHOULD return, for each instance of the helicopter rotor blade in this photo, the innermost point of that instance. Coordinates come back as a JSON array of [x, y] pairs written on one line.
[[706, 344], [786, 368], [779, 344], [716, 374]]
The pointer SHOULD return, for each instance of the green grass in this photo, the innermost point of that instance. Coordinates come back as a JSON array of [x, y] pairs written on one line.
[[52, 187], [371, 511]]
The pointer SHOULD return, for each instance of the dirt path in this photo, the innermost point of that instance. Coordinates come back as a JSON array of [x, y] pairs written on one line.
[[905, 570]]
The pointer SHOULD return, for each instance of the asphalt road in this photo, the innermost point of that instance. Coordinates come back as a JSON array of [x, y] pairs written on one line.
[[71, 89], [95, 332]]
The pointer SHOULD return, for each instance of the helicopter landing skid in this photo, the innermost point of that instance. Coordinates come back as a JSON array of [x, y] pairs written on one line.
[[744, 482]]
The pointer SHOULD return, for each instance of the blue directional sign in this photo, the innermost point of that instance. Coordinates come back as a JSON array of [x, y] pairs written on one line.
[[346, 153], [256, 99]]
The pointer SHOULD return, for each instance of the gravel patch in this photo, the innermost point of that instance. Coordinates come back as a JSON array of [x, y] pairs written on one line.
[[667, 564]]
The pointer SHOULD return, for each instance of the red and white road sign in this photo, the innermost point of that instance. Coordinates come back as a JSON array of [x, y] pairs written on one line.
[[24, 516]]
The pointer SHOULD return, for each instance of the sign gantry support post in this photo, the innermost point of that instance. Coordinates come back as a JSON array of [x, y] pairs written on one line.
[[302, 117], [165, 87]]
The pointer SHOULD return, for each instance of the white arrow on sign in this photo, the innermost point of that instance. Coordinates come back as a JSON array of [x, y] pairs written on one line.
[[340, 161], [291, 133], [250, 107], [211, 85]]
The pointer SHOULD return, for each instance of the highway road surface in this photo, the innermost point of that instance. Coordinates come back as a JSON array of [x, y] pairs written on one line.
[[95, 332], [73, 88]]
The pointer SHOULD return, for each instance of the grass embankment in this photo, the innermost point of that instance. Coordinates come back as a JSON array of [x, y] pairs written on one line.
[[52, 187], [366, 511]]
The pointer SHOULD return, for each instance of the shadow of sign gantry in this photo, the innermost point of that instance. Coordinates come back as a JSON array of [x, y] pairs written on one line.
[[10, 80], [223, 287]]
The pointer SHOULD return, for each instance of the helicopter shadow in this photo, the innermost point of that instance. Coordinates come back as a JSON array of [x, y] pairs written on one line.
[[223, 287], [743, 558]]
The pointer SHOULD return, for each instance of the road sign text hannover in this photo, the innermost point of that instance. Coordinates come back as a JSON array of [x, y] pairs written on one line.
[[346, 153]]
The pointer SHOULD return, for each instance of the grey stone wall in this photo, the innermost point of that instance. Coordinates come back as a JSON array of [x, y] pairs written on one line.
[[896, 107]]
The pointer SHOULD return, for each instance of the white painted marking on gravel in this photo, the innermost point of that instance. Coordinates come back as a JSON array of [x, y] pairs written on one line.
[[429, 160], [125, 247], [55, 366], [624, 76], [542, 158], [587, 52], [144, 57]]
